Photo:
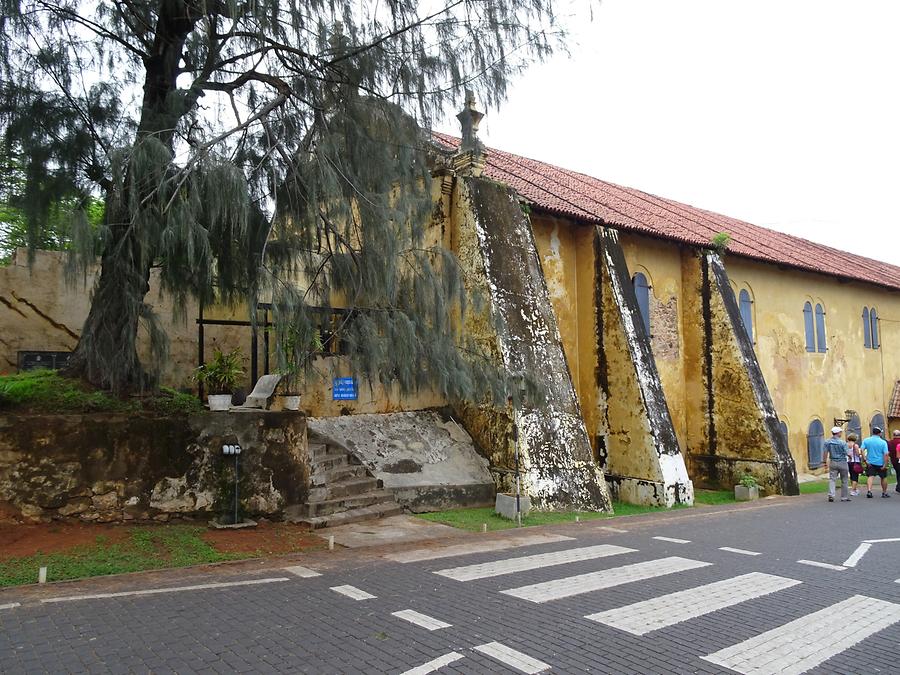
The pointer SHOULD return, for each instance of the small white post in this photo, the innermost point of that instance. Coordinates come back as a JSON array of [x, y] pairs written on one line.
[[484, 527], [42, 575], [331, 542]]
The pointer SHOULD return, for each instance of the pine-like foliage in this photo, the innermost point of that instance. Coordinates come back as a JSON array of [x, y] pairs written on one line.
[[259, 149]]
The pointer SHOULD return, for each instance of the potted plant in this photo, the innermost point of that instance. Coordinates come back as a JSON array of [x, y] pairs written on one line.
[[296, 352], [220, 376], [747, 489]]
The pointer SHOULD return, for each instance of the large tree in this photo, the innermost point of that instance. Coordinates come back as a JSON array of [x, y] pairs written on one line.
[[242, 145]]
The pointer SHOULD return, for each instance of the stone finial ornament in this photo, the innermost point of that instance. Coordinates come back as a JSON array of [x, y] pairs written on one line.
[[469, 159]]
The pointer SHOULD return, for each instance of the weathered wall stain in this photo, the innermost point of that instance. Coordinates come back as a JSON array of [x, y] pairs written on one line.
[[644, 462], [742, 427], [115, 467], [556, 458]]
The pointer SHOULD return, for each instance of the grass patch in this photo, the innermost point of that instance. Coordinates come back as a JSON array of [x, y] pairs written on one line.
[[46, 391], [473, 518], [821, 486], [713, 497], [142, 549]]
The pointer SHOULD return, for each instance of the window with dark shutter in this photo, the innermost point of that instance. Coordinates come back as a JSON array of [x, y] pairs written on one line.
[[873, 321], [867, 329], [746, 306], [809, 327], [815, 444], [642, 291], [820, 329]]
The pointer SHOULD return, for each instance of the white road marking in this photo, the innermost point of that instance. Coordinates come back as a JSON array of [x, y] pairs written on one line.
[[594, 581], [421, 620], [419, 554], [302, 572], [857, 554], [806, 642], [673, 540], [612, 529], [667, 610], [880, 541], [742, 551], [11, 605], [434, 664], [353, 592], [531, 562], [512, 658], [827, 566], [157, 591]]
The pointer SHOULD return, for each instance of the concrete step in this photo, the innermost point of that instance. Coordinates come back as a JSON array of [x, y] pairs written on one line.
[[316, 450], [361, 514], [331, 506], [329, 461], [325, 477], [350, 487]]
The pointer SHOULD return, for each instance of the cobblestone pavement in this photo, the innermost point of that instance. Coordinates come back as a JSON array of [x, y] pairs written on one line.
[[699, 591]]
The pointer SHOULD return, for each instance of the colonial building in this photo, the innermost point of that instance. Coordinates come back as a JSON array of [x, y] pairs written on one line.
[[676, 347]]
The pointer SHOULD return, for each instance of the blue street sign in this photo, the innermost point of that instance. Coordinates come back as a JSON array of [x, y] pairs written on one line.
[[343, 389]]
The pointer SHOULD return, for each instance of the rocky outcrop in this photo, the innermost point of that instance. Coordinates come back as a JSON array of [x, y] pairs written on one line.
[[107, 468]]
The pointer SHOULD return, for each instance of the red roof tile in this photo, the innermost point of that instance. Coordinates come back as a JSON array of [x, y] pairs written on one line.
[[579, 196], [894, 407]]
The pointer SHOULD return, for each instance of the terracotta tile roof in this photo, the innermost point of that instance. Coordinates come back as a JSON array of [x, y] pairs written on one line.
[[579, 196], [894, 406]]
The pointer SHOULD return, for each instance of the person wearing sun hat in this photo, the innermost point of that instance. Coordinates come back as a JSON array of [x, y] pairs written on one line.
[[876, 449], [836, 464]]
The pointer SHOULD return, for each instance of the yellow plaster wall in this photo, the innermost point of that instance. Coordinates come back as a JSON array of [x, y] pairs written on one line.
[[808, 385], [661, 262], [566, 253]]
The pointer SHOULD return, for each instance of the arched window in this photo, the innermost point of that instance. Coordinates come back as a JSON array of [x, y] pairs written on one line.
[[877, 421], [642, 291], [854, 426], [815, 444], [873, 320], [867, 329], [809, 326], [820, 328], [746, 305]]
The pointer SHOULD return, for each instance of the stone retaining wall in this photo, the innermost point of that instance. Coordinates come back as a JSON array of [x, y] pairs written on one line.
[[116, 467]]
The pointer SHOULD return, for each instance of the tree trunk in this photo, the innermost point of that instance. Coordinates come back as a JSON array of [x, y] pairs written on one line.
[[106, 354]]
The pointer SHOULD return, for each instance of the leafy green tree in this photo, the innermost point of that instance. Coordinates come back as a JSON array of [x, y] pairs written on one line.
[[241, 145]]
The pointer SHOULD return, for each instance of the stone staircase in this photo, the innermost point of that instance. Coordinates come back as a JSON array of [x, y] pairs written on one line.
[[341, 491]]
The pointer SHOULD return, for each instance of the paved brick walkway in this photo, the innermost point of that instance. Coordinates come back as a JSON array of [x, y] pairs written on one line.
[[608, 602]]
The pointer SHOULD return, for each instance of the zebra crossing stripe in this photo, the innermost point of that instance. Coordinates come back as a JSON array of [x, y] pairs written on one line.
[[667, 610], [434, 664], [673, 540], [742, 551], [531, 562], [806, 642], [512, 658], [595, 581], [421, 554], [353, 592], [302, 572], [421, 620]]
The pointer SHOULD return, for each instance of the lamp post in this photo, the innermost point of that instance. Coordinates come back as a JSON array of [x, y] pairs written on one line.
[[234, 450]]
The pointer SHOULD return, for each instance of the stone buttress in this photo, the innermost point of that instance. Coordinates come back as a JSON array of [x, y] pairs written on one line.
[[733, 427], [643, 461], [496, 248]]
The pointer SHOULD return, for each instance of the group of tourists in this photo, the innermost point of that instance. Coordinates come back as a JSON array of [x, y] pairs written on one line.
[[848, 459]]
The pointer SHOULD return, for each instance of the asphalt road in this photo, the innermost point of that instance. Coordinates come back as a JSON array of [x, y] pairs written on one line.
[[666, 595]]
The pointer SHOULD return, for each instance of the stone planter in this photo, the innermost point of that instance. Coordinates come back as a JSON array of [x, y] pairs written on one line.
[[742, 493], [506, 505], [290, 402], [219, 402]]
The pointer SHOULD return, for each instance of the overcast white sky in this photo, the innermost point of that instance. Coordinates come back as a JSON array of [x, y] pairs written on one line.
[[785, 113]]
